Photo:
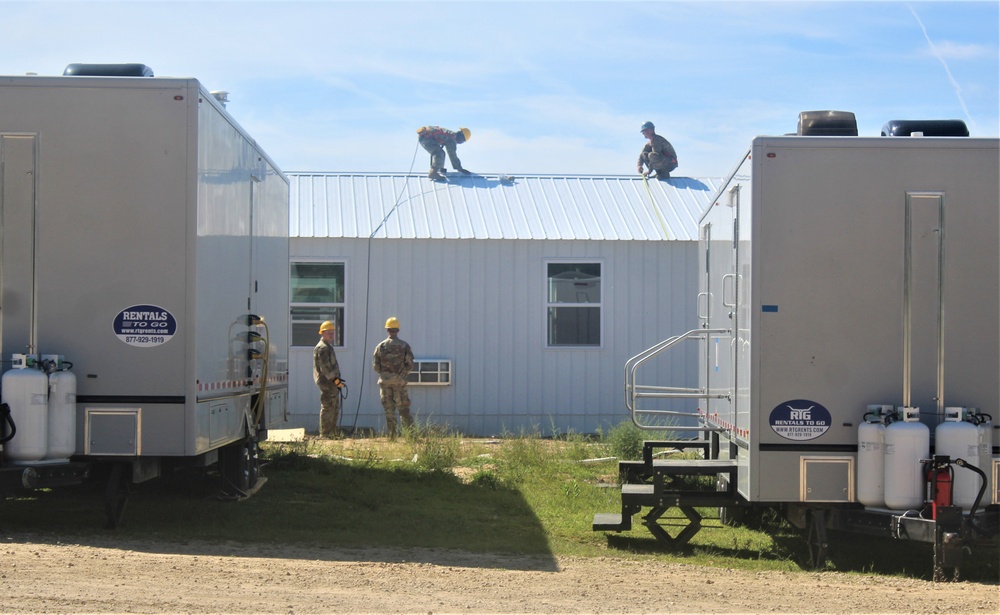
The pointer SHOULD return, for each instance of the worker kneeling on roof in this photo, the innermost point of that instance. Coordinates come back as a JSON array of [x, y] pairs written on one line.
[[658, 154], [436, 140]]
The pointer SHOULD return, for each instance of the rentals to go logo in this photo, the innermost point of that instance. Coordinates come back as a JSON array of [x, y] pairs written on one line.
[[800, 419], [145, 325]]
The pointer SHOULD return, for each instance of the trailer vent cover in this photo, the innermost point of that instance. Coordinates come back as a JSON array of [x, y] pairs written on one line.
[[108, 70], [929, 128], [827, 124]]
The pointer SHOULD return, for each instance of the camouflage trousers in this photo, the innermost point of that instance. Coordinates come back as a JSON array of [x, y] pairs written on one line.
[[436, 151], [329, 411], [659, 163], [395, 398]]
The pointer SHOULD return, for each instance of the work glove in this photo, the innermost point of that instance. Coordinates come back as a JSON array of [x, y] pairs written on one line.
[[340, 383]]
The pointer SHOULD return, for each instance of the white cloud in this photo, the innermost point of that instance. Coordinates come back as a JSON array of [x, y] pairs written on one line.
[[958, 51]]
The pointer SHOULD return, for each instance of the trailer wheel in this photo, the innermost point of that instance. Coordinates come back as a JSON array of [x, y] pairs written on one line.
[[731, 516], [240, 466], [817, 539], [116, 495], [750, 516]]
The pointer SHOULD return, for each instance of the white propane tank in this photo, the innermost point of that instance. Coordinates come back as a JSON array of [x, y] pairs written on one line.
[[959, 439], [871, 456], [985, 426], [907, 442], [26, 391], [62, 415]]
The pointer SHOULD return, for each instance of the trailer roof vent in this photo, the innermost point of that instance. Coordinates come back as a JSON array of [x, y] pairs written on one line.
[[108, 70], [221, 95], [827, 124], [926, 128]]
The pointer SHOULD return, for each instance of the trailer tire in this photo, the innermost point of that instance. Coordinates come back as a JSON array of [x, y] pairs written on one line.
[[751, 516], [731, 516], [116, 495], [817, 539], [240, 466]]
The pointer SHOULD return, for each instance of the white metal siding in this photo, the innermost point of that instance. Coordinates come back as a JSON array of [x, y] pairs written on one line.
[[462, 264], [481, 304]]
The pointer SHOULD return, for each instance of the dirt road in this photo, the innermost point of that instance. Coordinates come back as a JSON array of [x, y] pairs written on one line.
[[114, 576]]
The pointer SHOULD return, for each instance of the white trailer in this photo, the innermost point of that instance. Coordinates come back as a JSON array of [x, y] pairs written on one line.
[[144, 243], [842, 276]]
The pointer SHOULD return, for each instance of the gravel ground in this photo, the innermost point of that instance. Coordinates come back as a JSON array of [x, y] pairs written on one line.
[[116, 576]]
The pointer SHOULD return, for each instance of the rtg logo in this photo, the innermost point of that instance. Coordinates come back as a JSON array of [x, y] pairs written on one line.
[[800, 419]]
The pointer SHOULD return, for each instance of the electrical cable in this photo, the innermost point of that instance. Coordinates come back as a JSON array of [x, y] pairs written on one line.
[[649, 191], [257, 411], [368, 285]]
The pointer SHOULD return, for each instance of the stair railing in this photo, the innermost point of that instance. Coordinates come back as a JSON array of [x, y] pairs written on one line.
[[634, 392]]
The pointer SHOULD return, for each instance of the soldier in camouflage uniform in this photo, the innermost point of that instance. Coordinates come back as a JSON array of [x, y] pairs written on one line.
[[393, 361], [436, 140], [658, 154], [326, 374]]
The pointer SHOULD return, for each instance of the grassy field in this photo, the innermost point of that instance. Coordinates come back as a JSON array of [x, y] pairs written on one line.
[[516, 494]]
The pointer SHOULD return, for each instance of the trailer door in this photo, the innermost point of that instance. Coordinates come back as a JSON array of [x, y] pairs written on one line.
[[17, 244], [923, 343], [718, 307]]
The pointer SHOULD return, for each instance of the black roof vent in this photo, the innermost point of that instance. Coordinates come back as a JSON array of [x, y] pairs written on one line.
[[827, 124], [108, 70], [928, 128]]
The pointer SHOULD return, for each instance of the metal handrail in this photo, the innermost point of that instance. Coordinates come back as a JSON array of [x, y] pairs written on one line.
[[634, 392]]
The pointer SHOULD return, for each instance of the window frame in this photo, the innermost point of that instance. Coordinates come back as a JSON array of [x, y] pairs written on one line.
[[548, 305], [413, 378], [341, 339]]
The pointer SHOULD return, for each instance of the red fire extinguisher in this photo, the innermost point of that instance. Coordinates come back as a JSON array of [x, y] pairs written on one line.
[[939, 484]]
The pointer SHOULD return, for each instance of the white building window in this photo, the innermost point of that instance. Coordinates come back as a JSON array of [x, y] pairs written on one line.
[[573, 304], [430, 371], [317, 295]]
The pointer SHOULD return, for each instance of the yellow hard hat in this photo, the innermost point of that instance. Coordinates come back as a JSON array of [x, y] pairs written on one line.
[[392, 323], [466, 132], [326, 326]]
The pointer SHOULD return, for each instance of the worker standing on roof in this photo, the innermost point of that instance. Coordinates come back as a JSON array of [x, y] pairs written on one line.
[[326, 374], [392, 361], [437, 140], [658, 154]]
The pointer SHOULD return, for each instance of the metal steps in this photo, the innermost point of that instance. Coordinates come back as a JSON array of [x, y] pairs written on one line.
[[661, 484], [612, 522]]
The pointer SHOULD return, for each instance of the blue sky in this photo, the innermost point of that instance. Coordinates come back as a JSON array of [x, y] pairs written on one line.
[[545, 87]]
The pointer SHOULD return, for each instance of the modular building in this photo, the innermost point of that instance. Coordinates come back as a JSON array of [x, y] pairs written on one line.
[[521, 296], [144, 251]]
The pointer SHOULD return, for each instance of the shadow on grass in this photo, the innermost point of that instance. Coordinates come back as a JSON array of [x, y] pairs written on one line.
[[849, 552], [309, 508], [846, 552]]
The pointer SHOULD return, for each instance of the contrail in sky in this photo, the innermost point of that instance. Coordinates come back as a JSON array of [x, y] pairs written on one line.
[[937, 54]]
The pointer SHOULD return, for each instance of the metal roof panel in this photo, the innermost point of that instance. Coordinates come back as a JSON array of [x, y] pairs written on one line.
[[571, 207]]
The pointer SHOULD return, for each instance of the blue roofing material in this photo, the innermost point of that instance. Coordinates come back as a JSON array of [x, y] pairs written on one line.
[[539, 207]]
